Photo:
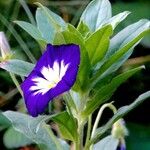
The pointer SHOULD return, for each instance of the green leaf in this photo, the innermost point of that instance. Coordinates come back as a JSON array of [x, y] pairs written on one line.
[[77, 99], [139, 10], [67, 126], [97, 44], [83, 29], [120, 113], [53, 18], [48, 23], [115, 20], [70, 104], [18, 67], [4, 122], [18, 140], [35, 129], [64, 144], [104, 93], [72, 29], [46, 29], [121, 48], [96, 13], [127, 35], [107, 143], [67, 37], [31, 29]]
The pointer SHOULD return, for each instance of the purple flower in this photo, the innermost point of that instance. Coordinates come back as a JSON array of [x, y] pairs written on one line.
[[54, 74], [122, 147]]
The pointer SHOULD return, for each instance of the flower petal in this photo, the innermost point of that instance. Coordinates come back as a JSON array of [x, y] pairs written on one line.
[[54, 74], [122, 147]]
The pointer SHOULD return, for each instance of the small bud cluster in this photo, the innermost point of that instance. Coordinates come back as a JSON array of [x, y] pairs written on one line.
[[4, 47]]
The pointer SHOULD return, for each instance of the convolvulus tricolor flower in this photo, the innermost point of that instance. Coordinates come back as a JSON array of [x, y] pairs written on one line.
[[54, 73]]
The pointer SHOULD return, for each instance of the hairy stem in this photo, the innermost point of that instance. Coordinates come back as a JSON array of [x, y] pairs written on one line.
[[80, 135], [107, 105], [89, 129]]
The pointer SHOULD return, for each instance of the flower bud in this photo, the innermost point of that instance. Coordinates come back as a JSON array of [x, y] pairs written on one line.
[[4, 47], [119, 130], [122, 145]]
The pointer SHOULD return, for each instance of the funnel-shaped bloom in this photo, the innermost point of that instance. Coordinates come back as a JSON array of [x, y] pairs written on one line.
[[54, 73]]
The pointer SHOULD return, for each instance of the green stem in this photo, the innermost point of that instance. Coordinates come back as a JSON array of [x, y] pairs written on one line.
[[79, 145], [88, 130], [14, 16], [16, 83], [28, 12], [109, 105]]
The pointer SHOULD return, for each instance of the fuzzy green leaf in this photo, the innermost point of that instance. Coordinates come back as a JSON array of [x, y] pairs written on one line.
[[106, 143], [120, 113], [18, 140], [115, 20], [48, 23], [30, 29], [4, 122], [46, 29], [120, 51], [96, 13], [35, 129], [17, 67], [53, 18], [127, 35], [104, 93]]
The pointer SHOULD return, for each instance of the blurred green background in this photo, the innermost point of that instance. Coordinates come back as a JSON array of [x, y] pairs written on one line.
[[138, 121]]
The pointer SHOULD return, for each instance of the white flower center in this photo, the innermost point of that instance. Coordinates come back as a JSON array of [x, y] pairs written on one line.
[[51, 77]]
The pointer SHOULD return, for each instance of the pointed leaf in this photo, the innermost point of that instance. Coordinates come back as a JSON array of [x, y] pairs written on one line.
[[106, 143], [67, 126], [72, 29], [97, 44], [96, 13], [31, 29], [120, 56], [18, 67], [48, 23], [127, 35], [35, 129], [115, 20], [126, 39], [53, 18], [18, 140], [83, 29], [46, 29], [120, 113], [104, 93]]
